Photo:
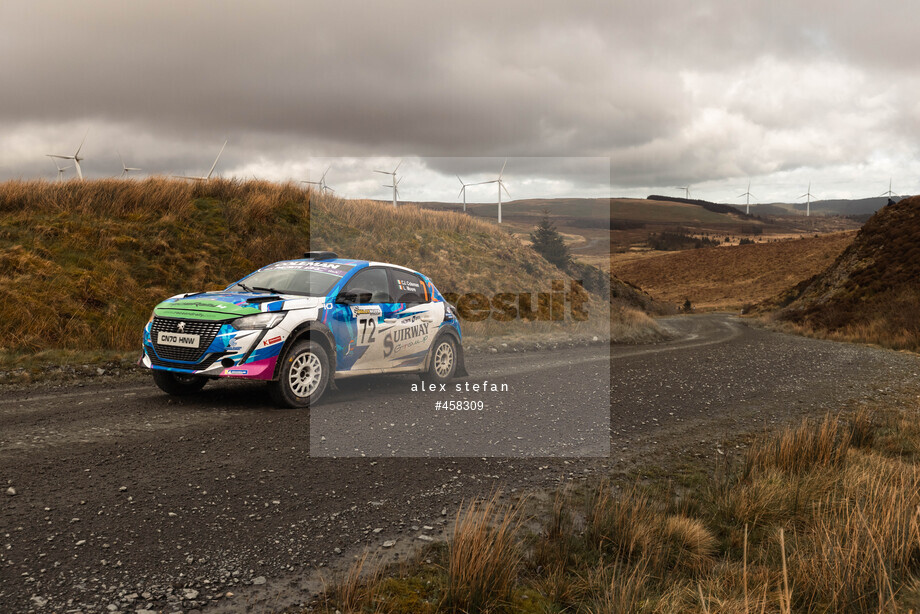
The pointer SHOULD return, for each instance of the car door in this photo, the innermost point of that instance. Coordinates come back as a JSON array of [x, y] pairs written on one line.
[[409, 326], [363, 303]]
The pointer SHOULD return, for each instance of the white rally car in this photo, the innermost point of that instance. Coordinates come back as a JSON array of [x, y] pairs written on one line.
[[298, 324]]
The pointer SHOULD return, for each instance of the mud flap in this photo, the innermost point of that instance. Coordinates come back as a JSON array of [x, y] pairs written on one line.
[[461, 363]]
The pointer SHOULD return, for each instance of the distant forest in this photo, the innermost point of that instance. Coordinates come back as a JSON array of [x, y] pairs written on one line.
[[705, 204]]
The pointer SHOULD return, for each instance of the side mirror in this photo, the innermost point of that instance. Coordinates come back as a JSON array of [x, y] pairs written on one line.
[[347, 298], [354, 297]]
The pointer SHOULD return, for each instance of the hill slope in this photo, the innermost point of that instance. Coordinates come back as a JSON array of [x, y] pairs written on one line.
[[842, 206], [83, 263], [731, 276], [872, 291]]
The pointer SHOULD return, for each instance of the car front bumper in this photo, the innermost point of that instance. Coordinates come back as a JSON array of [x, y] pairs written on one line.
[[244, 354]]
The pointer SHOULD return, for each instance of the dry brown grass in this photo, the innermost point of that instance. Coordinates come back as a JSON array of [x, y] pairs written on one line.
[[878, 331], [460, 253], [633, 326], [861, 539], [820, 517], [854, 512], [361, 584], [630, 528], [483, 557], [870, 292], [615, 589], [83, 263], [796, 450], [620, 524], [733, 276]]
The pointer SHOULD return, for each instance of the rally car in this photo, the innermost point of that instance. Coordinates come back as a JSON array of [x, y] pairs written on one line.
[[300, 324]]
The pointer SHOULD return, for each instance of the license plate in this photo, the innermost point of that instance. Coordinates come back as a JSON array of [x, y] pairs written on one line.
[[178, 339]]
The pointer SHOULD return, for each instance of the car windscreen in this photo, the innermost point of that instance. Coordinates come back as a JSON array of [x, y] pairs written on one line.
[[288, 281]]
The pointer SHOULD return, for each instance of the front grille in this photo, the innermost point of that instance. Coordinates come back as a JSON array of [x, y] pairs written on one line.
[[206, 331], [209, 360]]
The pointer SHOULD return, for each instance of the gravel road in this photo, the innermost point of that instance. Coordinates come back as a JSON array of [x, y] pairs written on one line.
[[128, 500]]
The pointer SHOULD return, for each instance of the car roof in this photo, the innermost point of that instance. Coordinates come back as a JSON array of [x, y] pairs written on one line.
[[355, 263]]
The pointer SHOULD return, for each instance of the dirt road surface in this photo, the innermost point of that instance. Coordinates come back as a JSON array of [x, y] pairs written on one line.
[[126, 499]]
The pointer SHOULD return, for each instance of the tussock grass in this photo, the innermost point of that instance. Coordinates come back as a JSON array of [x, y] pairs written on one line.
[[878, 330], [633, 326], [630, 527], [811, 445], [819, 517], [360, 584], [483, 557]]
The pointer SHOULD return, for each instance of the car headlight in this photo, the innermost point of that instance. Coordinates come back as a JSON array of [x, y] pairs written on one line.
[[259, 321]]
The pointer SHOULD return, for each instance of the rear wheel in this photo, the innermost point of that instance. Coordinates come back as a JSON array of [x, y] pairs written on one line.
[[304, 376], [178, 384], [443, 360]]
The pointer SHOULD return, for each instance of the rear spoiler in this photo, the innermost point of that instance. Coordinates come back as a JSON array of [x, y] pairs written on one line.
[[320, 255]]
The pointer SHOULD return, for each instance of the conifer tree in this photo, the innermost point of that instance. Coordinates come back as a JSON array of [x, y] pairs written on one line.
[[549, 243]]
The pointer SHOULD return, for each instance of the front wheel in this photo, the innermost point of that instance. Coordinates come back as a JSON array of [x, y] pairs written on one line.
[[304, 376], [443, 360], [178, 384]]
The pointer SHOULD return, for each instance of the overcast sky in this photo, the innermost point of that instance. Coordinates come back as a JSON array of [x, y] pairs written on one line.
[[710, 94]]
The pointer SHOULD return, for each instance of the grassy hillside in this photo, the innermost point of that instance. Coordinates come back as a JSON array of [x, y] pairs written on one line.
[[822, 517], [732, 276], [871, 292], [83, 263]]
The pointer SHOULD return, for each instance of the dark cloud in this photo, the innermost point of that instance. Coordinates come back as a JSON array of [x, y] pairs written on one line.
[[670, 91]]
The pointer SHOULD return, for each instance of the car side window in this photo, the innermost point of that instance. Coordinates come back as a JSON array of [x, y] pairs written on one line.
[[367, 286], [408, 288]]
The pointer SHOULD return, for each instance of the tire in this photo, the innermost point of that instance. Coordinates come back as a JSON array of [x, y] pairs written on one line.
[[444, 359], [303, 377], [178, 384]]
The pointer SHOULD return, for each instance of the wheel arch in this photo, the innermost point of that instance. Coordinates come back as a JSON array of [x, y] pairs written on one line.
[[451, 332], [312, 331]]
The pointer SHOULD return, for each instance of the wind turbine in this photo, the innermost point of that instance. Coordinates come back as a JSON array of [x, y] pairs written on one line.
[[321, 183], [394, 184], [749, 195], [210, 172], [463, 191], [60, 169], [686, 190], [889, 193], [126, 170], [808, 195], [501, 186], [76, 158]]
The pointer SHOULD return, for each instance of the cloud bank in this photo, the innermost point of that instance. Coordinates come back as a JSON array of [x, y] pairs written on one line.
[[713, 94]]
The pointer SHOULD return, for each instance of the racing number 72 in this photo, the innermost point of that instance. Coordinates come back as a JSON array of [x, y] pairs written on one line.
[[368, 327]]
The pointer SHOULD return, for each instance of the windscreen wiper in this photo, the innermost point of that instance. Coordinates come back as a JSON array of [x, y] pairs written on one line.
[[244, 287], [272, 290]]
